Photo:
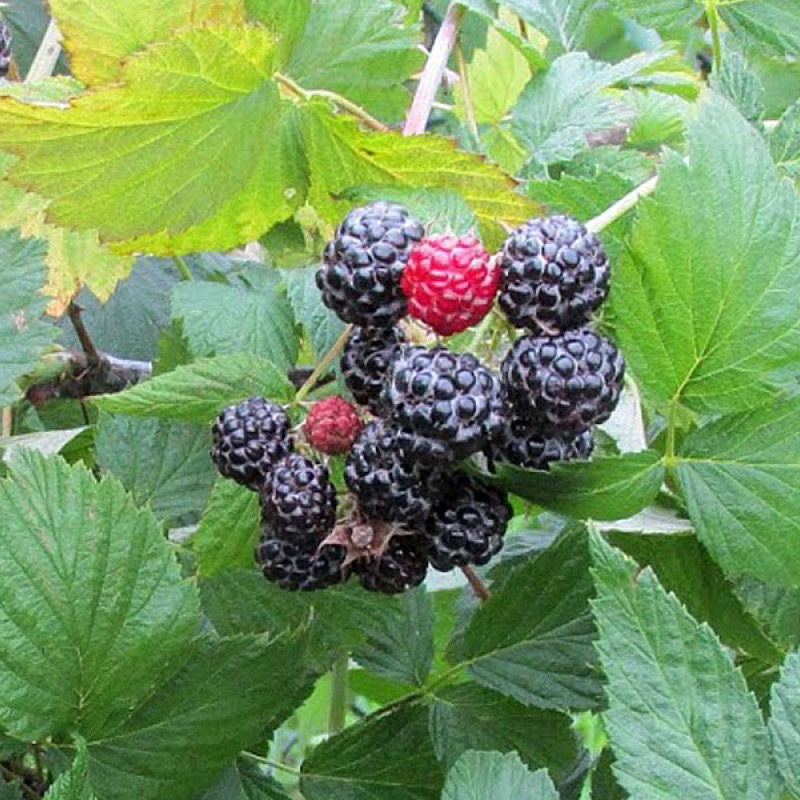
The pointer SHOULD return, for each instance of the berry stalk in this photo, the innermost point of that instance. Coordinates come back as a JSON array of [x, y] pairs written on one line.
[[319, 370], [622, 206], [337, 711]]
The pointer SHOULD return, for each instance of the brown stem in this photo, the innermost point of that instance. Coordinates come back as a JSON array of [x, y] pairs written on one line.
[[431, 77], [478, 586], [92, 356]]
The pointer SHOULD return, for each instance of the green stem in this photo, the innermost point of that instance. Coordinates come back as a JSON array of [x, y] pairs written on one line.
[[672, 424], [319, 370], [337, 714], [267, 763], [716, 43], [183, 268]]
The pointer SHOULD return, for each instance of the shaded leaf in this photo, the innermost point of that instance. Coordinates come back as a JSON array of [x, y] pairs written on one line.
[[74, 783], [492, 776], [388, 756], [607, 487], [532, 640], [322, 325]]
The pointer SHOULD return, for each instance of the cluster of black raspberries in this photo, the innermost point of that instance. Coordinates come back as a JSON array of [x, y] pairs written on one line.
[[427, 408]]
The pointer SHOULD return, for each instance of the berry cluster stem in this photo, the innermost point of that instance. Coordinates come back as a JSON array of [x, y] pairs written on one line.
[[337, 712], [716, 42], [432, 73], [47, 55], [319, 370], [478, 586], [622, 206]]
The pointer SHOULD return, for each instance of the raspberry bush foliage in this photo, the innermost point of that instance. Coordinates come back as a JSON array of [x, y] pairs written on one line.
[[400, 400]]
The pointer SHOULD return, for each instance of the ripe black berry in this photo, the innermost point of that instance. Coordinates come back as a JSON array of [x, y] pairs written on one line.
[[565, 383], [402, 566], [299, 503], [304, 568], [387, 486], [366, 359], [524, 445], [447, 405], [553, 275], [467, 523], [360, 278], [249, 439]]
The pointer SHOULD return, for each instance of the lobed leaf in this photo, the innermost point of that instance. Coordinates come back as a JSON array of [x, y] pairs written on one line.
[[784, 726], [492, 776]]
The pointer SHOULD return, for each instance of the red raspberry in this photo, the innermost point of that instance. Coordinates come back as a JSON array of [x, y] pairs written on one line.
[[332, 425], [450, 282]]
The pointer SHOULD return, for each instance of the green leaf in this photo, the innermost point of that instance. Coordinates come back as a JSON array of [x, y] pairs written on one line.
[[73, 784], [701, 303], [100, 33], [175, 120], [402, 649], [359, 50], [231, 694], [341, 156], [777, 609], [245, 782], [229, 529], [497, 75], [159, 462], [388, 757], [681, 720], [221, 319], [199, 390], [569, 100], [773, 24], [784, 726], [609, 487], [741, 86], [470, 717], [92, 607], [660, 119], [321, 324], [682, 566], [562, 23], [48, 443], [784, 142], [741, 479], [23, 335], [533, 639], [285, 18], [668, 14], [493, 776]]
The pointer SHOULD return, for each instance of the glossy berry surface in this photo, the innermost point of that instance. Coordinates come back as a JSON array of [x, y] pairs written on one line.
[[522, 444], [248, 439], [467, 524], [361, 275], [446, 405], [386, 484], [332, 425], [450, 283], [297, 568], [553, 275], [299, 503], [401, 567], [365, 362], [565, 383]]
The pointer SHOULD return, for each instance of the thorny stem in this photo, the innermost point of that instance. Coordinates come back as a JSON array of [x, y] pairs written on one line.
[[431, 77], [478, 586], [622, 206], [337, 712], [319, 370], [337, 99], [716, 43], [74, 313], [183, 268], [8, 422]]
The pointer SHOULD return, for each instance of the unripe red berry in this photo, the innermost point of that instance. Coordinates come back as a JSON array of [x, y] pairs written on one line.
[[332, 425]]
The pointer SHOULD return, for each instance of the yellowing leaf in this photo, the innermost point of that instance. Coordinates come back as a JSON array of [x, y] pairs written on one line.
[[341, 155], [98, 34], [74, 258], [182, 143]]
